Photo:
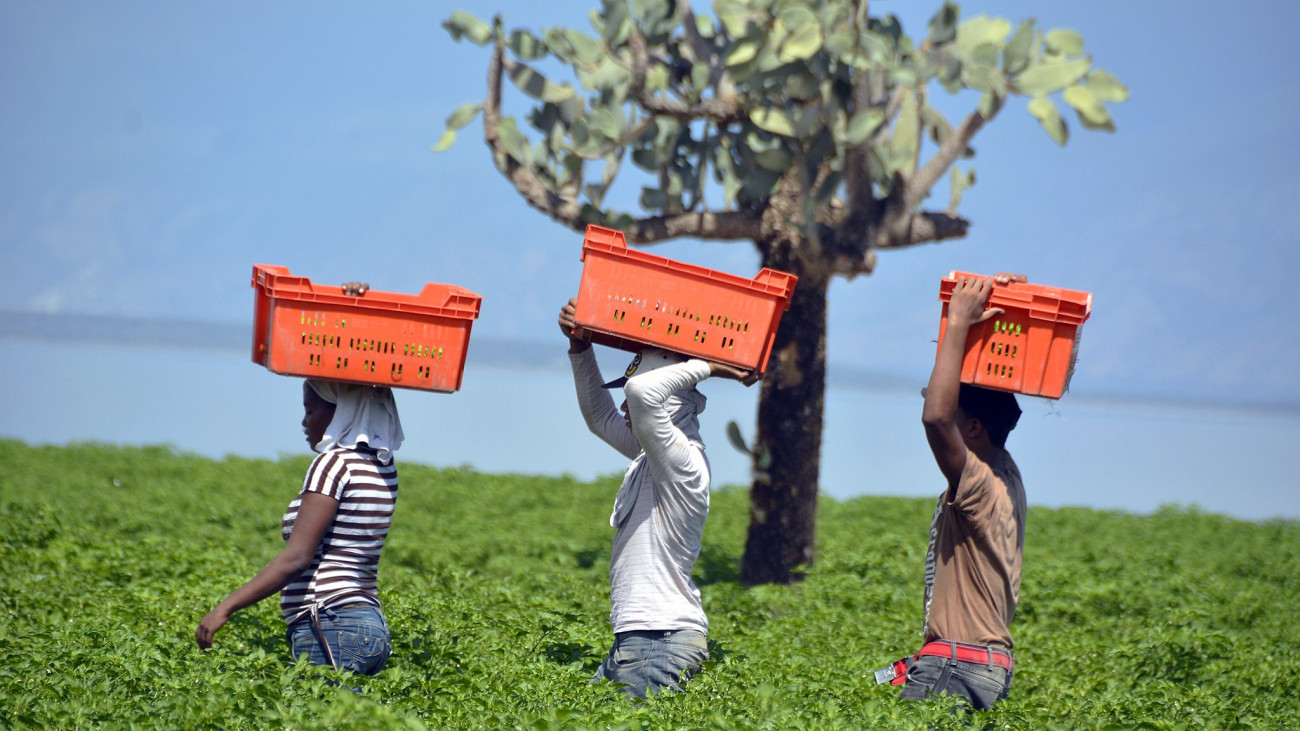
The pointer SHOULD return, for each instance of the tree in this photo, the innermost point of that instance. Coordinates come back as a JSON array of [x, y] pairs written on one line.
[[802, 126]]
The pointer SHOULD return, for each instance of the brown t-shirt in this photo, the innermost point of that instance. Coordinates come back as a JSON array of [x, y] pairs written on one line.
[[972, 570]]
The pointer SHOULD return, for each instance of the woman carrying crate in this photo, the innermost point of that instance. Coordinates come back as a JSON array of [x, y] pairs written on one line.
[[334, 531]]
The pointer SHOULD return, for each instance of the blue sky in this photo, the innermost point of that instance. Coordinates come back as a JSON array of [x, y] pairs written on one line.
[[152, 152]]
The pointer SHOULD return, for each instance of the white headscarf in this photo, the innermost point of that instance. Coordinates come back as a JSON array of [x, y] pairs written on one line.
[[361, 414]]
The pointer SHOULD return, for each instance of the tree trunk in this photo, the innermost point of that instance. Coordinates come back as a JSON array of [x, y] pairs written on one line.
[[787, 448]]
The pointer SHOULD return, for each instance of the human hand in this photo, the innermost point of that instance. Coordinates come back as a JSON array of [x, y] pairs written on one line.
[[747, 378], [1005, 278], [208, 627], [969, 298], [569, 323], [355, 289]]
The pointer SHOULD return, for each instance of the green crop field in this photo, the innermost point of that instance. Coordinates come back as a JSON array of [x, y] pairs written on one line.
[[496, 591]]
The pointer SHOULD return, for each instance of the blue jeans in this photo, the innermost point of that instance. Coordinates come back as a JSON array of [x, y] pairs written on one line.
[[357, 635], [647, 660], [980, 684]]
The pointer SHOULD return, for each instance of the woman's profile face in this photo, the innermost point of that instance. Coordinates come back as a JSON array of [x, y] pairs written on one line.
[[316, 417]]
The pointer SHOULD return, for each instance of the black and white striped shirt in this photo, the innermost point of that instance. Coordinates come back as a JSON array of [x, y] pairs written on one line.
[[346, 565]]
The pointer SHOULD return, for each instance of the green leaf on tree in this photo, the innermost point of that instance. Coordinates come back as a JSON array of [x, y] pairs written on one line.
[[773, 120], [614, 16], [447, 139], [571, 45], [1091, 109], [1064, 41], [1106, 87], [1045, 111], [863, 125], [607, 75], [536, 86], [704, 25], [527, 46], [514, 142], [802, 37], [607, 121], [742, 52], [980, 31], [936, 123], [464, 25], [777, 159], [463, 115], [653, 199], [906, 138], [737, 440], [958, 182], [1047, 77], [1015, 54], [734, 15], [943, 24]]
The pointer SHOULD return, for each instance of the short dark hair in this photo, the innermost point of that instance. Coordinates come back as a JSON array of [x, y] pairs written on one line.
[[996, 410]]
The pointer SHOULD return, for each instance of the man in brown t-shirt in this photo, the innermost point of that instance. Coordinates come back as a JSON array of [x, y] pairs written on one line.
[[972, 569]]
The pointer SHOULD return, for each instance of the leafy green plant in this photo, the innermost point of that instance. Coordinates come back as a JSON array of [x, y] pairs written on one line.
[[496, 590]]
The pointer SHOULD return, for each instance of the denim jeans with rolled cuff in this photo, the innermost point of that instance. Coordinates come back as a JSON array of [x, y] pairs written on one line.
[[979, 683], [357, 635], [648, 660]]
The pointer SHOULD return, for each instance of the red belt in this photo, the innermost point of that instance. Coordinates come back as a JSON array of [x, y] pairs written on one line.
[[979, 654], [896, 674]]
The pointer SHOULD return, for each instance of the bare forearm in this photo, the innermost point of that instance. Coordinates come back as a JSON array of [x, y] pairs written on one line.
[[274, 577], [271, 579], [315, 514], [945, 380]]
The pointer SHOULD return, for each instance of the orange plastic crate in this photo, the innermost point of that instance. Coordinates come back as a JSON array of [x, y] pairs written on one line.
[[1031, 349], [629, 299], [381, 338]]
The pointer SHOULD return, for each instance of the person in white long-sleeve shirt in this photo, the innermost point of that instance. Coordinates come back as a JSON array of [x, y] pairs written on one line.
[[660, 628]]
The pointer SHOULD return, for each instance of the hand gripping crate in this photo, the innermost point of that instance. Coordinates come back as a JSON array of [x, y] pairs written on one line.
[[629, 299], [1029, 349], [380, 338]]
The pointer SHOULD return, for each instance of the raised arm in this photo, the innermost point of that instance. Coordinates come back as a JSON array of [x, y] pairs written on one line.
[[666, 446], [596, 404], [940, 412]]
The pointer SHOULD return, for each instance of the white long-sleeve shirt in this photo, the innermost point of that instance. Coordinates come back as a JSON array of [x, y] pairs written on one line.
[[661, 506]]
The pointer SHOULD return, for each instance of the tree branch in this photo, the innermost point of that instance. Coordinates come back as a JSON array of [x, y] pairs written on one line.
[[925, 178], [862, 207], [920, 228], [538, 195], [719, 226], [718, 110], [724, 225], [699, 47]]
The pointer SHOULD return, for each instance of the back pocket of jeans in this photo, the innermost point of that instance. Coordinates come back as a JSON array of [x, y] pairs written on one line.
[[363, 644], [992, 679], [624, 660]]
